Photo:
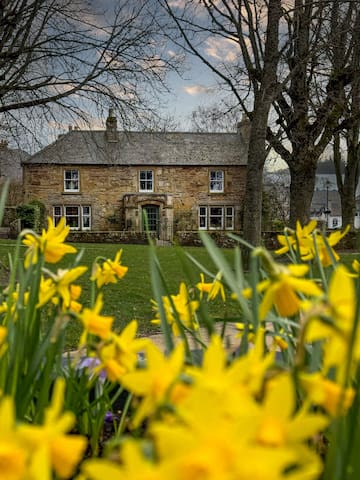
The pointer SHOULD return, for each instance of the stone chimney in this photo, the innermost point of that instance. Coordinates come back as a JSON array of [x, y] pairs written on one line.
[[244, 128], [111, 127]]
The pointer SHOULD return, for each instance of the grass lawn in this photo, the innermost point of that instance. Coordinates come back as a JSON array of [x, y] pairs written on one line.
[[130, 297]]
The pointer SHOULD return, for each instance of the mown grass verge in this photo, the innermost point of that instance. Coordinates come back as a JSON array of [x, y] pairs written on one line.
[[130, 298]]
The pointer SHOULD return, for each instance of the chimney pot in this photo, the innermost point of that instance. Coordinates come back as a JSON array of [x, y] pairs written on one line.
[[111, 127], [243, 128]]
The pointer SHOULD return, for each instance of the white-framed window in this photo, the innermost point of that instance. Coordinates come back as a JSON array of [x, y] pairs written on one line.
[[216, 181], [335, 222], [229, 218], [71, 181], [203, 218], [146, 181], [57, 214], [216, 217], [78, 217]]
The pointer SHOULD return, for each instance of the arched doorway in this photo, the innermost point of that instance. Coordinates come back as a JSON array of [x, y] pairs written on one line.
[[151, 218]]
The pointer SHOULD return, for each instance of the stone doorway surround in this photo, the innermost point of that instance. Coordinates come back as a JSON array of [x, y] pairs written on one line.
[[133, 205]]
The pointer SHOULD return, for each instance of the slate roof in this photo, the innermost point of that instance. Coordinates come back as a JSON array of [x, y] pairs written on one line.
[[10, 162], [81, 147], [331, 198]]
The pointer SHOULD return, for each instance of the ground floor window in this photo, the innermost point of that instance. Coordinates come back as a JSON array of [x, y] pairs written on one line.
[[335, 222], [78, 217], [217, 217]]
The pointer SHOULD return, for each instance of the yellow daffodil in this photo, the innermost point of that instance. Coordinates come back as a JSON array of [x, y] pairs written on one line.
[[50, 446], [282, 290], [217, 450], [59, 284], [109, 271], [198, 450], [75, 292], [245, 373], [14, 301], [179, 307], [279, 341], [119, 355], [153, 383], [332, 321], [133, 465], [3, 336], [279, 424], [94, 323], [356, 266], [309, 242], [13, 453], [251, 368], [241, 328], [219, 380], [50, 243], [212, 289], [334, 398], [325, 247], [298, 239]]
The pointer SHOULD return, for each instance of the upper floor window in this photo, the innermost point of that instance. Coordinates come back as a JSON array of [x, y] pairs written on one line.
[[146, 180], [71, 181], [216, 181]]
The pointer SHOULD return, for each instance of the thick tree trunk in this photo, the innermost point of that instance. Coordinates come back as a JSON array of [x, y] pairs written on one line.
[[348, 205], [302, 184], [254, 177], [264, 94], [348, 190]]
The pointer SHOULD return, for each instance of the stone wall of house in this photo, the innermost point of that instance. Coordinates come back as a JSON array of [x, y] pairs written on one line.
[[221, 238], [269, 240], [177, 189], [108, 237]]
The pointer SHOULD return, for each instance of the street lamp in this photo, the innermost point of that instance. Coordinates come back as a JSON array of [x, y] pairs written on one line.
[[327, 211]]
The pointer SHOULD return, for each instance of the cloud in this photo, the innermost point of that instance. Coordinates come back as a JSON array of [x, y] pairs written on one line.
[[221, 49], [177, 3], [194, 90]]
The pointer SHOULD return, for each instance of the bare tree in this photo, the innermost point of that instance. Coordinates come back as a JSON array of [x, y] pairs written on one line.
[[309, 106], [349, 129], [215, 118], [251, 27], [65, 58]]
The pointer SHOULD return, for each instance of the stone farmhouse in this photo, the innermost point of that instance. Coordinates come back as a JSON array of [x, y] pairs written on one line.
[[104, 180]]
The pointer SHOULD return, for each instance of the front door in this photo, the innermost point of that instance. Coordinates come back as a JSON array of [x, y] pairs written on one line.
[[151, 218]]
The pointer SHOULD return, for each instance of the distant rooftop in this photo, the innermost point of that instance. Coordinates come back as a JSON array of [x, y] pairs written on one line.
[[10, 162]]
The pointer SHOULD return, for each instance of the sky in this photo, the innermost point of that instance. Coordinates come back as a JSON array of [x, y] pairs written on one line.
[[197, 85], [195, 88]]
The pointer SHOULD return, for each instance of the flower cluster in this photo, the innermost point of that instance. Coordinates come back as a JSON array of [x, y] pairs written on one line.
[[202, 420], [210, 418], [33, 451], [272, 407]]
